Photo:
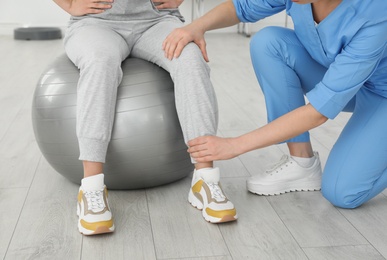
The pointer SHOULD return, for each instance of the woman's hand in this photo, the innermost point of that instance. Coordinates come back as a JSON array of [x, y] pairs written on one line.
[[175, 42], [167, 4], [83, 7], [212, 148]]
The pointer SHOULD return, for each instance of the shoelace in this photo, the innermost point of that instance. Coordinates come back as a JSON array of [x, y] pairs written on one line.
[[216, 191], [95, 200], [284, 160]]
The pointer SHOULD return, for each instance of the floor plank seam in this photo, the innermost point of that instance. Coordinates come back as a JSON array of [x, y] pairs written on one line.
[[22, 208]]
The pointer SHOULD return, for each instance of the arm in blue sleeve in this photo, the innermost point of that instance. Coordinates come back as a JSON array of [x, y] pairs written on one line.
[[350, 70], [254, 10]]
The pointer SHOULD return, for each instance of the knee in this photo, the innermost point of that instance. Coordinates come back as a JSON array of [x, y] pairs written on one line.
[[342, 196], [191, 59], [265, 41]]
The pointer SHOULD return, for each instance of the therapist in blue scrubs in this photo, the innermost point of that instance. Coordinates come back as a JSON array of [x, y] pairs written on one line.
[[336, 56]]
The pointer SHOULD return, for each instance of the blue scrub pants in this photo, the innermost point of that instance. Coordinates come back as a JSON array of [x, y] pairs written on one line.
[[356, 170]]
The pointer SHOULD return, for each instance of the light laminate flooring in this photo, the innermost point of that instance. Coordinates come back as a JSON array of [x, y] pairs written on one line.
[[37, 205]]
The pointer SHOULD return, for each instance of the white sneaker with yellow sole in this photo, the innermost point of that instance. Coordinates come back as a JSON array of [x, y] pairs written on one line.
[[94, 212], [207, 195]]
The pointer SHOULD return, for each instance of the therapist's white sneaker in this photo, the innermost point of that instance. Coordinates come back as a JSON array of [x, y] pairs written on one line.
[[286, 176], [207, 195]]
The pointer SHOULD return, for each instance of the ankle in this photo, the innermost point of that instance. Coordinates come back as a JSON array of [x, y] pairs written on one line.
[[302, 150], [207, 165], [304, 162], [92, 168]]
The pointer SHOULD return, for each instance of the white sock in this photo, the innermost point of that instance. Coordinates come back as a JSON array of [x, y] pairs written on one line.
[[95, 182], [304, 162], [211, 175], [204, 170]]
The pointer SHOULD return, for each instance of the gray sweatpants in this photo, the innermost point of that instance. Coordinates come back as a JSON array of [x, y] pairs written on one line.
[[98, 47]]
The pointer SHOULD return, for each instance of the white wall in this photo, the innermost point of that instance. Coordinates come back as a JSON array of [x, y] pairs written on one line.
[[20, 13], [186, 10]]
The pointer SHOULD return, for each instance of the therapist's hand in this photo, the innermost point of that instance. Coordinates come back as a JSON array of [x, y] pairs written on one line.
[[212, 148], [167, 4], [175, 42], [83, 7]]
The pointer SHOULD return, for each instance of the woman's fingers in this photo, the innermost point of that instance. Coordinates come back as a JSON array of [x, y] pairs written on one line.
[[101, 6], [83, 7]]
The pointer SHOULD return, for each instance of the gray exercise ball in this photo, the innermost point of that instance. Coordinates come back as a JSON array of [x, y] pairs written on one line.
[[147, 147]]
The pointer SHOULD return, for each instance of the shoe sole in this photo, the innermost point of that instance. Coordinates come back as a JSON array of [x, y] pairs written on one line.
[[286, 187], [99, 230], [196, 203]]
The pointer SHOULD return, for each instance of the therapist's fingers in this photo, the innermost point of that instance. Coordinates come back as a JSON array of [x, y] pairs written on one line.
[[174, 43], [179, 47], [197, 141], [201, 149], [174, 49], [203, 159], [201, 154], [202, 46], [213, 148]]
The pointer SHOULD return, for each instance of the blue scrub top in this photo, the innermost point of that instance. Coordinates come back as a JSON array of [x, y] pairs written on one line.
[[351, 42]]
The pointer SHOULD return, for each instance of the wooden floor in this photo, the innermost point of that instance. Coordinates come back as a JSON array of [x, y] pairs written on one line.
[[38, 206]]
